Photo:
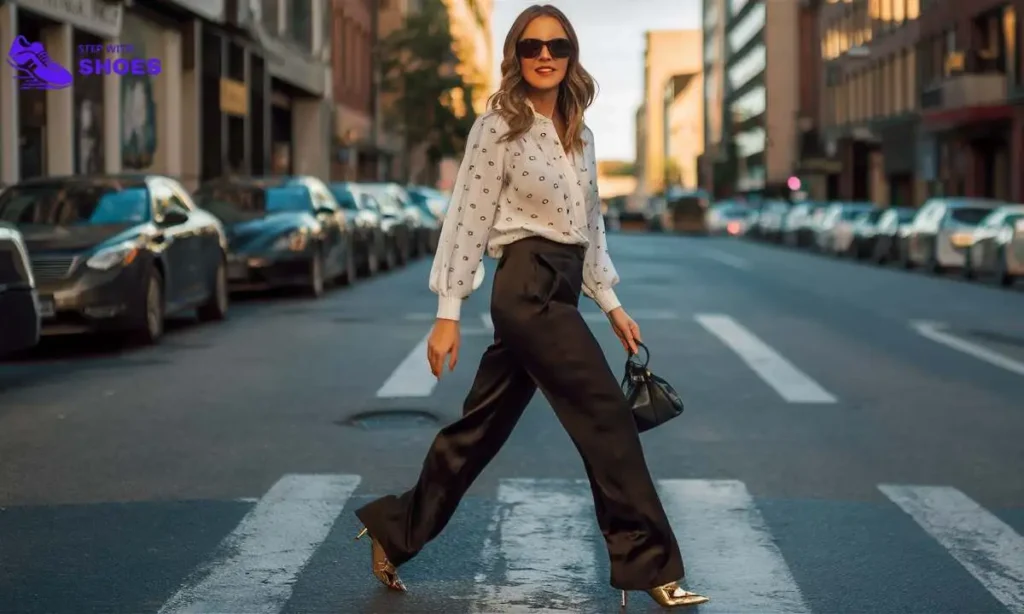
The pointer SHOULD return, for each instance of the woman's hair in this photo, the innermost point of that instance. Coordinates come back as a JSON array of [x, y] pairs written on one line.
[[575, 92]]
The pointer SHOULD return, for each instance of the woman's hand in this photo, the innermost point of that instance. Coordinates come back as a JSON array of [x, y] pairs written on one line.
[[625, 329], [443, 341]]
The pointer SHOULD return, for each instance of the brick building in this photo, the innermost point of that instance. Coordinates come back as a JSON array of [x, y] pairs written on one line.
[[354, 154], [922, 97]]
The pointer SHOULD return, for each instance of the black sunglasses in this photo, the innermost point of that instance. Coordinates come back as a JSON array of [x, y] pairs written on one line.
[[530, 48]]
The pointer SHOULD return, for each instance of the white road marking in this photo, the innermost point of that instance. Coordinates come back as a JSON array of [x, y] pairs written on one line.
[[933, 331], [545, 532], [791, 383], [725, 258], [731, 553], [488, 322], [256, 566], [985, 545], [412, 377]]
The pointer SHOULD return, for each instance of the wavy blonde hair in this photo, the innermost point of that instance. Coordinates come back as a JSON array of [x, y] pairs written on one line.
[[575, 93]]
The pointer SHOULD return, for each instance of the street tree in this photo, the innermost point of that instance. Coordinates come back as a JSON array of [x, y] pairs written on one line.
[[432, 104]]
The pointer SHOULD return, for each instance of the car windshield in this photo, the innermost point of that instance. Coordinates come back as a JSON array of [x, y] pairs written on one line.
[[75, 204], [346, 199], [242, 203], [289, 198], [969, 215]]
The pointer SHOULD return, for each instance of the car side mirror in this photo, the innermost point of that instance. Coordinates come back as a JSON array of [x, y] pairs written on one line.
[[175, 217], [324, 210]]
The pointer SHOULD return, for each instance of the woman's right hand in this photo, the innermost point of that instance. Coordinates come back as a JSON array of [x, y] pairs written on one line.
[[443, 341]]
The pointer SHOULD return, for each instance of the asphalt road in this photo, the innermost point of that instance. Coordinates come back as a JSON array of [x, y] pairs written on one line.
[[853, 442]]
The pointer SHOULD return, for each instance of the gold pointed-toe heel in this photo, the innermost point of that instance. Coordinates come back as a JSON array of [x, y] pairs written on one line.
[[382, 568], [672, 596]]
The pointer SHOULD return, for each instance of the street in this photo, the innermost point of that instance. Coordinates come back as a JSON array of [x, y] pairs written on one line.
[[852, 442]]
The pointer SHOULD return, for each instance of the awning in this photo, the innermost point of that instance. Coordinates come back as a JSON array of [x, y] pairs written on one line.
[[952, 118]]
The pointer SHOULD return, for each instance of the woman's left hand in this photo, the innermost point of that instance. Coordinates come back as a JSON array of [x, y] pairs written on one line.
[[625, 329]]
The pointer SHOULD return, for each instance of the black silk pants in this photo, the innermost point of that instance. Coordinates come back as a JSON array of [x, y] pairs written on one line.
[[541, 340]]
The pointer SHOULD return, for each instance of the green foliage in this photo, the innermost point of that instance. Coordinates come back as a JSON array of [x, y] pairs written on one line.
[[617, 168], [417, 63]]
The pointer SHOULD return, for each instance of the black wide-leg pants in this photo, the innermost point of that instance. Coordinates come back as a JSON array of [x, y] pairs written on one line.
[[541, 340]]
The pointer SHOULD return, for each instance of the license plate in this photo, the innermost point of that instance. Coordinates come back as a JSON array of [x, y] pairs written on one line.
[[46, 309]]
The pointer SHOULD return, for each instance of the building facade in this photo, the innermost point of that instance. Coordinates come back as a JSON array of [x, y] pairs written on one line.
[[712, 162], [684, 129], [923, 97], [355, 155], [668, 53], [201, 108]]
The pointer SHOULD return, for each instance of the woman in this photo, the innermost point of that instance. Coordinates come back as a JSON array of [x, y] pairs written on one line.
[[526, 193]]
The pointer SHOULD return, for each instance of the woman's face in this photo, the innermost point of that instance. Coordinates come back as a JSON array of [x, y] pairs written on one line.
[[544, 50]]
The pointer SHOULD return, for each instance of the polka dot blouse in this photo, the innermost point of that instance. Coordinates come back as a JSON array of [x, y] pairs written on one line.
[[508, 191]]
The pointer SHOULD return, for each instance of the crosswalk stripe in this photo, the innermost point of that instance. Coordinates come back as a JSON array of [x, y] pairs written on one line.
[[730, 553], [545, 531], [255, 567], [934, 332], [412, 377], [985, 545], [791, 383]]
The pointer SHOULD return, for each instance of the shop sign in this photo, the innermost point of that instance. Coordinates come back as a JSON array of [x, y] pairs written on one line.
[[94, 16], [234, 97]]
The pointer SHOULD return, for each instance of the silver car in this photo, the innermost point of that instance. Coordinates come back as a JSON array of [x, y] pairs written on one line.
[[942, 231], [998, 246]]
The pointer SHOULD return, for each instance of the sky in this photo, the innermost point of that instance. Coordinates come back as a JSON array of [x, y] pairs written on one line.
[[611, 34]]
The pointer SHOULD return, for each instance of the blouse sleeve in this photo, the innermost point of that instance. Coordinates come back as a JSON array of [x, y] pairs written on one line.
[[470, 215], [599, 274]]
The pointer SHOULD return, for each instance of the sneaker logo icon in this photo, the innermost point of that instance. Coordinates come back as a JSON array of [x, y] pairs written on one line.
[[36, 69]]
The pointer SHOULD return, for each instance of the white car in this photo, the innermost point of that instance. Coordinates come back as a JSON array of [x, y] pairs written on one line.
[[942, 231], [997, 248], [835, 235]]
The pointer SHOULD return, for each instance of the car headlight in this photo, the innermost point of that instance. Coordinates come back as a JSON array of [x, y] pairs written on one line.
[[110, 257], [961, 239], [295, 241]]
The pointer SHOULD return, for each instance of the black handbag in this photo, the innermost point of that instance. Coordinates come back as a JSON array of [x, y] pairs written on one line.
[[652, 400]]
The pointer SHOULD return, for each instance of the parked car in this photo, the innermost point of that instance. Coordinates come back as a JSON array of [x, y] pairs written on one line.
[[890, 233], [374, 239], [399, 216], [431, 209], [118, 252], [282, 232], [799, 225], [864, 234], [997, 249], [727, 218], [942, 231], [770, 221], [19, 302], [835, 234]]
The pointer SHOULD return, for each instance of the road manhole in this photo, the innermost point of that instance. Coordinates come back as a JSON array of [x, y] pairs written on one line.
[[391, 419]]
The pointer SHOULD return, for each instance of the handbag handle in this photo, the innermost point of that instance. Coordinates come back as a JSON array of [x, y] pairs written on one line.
[[647, 355]]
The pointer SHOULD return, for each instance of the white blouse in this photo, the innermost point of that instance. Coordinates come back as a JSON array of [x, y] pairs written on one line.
[[508, 191]]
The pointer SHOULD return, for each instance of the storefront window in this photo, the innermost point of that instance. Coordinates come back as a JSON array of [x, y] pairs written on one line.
[[32, 113], [88, 119]]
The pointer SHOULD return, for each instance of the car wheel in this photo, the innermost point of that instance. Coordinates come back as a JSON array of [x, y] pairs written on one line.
[[216, 308], [351, 274], [316, 276], [151, 325], [1003, 277], [372, 261], [968, 269]]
